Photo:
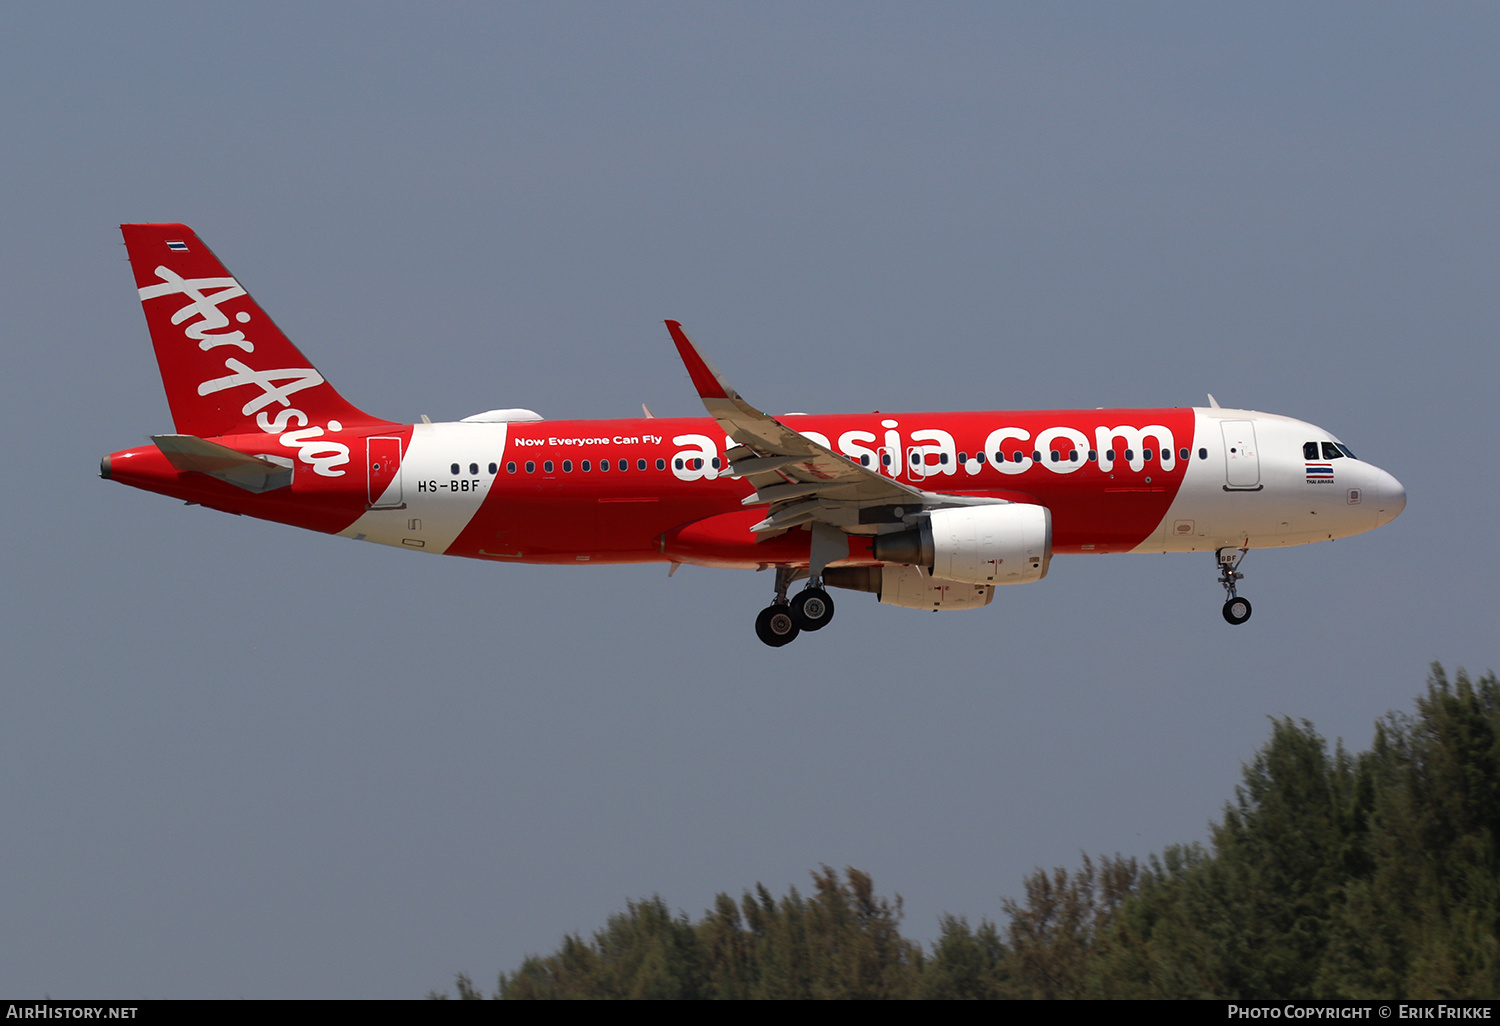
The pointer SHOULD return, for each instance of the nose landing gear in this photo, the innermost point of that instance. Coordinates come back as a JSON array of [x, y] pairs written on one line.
[[1236, 609]]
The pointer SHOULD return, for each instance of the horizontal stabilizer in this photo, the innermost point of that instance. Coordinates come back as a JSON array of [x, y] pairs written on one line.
[[252, 473]]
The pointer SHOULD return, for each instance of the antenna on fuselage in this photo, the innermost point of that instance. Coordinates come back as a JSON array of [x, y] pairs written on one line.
[[1212, 402]]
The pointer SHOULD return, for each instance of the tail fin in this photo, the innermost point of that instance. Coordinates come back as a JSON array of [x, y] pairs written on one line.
[[226, 367]]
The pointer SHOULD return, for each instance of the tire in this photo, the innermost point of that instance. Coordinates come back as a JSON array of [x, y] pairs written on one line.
[[812, 609], [775, 626], [1237, 610]]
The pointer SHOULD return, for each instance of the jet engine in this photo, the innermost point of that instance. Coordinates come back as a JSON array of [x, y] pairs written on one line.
[[985, 545]]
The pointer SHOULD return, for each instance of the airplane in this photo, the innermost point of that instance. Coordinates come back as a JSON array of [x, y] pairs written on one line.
[[928, 511]]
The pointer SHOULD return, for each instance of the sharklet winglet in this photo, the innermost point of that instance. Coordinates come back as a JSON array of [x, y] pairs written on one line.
[[709, 382]]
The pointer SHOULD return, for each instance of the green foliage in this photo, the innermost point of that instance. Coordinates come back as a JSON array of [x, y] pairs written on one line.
[[1422, 920], [967, 964], [1330, 875], [1335, 876], [843, 941]]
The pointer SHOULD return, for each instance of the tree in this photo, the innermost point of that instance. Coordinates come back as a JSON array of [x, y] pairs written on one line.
[[1376, 876]]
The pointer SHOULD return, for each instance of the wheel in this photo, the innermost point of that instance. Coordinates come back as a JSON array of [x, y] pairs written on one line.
[[1237, 610], [775, 626], [812, 609]]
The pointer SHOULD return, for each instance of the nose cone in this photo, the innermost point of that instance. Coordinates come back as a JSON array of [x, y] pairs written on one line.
[[1390, 498]]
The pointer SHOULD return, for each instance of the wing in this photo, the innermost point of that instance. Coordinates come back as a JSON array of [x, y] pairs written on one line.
[[801, 481]]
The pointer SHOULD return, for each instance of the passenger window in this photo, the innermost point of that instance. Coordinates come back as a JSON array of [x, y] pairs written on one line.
[[1056, 455], [979, 458], [1017, 456], [624, 464], [1036, 456], [641, 464], [603, 465], [1309, 450], [963, 457], [547, 467], [678, 463], [1109, 454], [567, 466], [510, 468], [584, 466], [1182, 453], [999, 457], [1145, 455], [715, 462], [531, 466], [492, 468], [1093, 455], [1203, 454], [661, 464], [474, 469], [1072, 455], [454, 468], [864, 460], [943, 458], [1129, 455], [1331, 452]]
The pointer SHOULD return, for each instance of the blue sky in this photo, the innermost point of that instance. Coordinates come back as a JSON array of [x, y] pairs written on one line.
[[242, 760]]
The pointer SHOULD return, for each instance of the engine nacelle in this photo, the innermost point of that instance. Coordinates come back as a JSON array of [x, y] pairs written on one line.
[[910, 587], [985, 545]]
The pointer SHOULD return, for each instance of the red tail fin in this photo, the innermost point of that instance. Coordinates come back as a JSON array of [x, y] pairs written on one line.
[[226, 367]]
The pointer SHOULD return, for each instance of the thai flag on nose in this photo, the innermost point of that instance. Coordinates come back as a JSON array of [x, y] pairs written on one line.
[[1320, 472]]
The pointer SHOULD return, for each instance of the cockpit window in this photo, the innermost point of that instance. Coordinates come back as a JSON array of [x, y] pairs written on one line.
[[1309, 450], [1331, 452], [1345, 450]]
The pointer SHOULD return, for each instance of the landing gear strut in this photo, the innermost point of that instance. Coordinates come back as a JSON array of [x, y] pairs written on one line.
[[811, 610], [1236, 609]]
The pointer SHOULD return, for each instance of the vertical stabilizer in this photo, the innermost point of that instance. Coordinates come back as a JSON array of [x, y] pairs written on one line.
[[225, 365]]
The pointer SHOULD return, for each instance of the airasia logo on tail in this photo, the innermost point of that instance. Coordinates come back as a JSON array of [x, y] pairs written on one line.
[[204, 323]]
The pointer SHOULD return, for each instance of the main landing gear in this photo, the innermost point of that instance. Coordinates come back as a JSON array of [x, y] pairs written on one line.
[[810, 610], [1236, 609]]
